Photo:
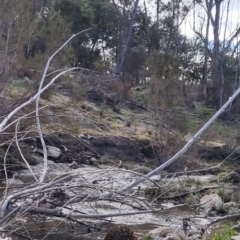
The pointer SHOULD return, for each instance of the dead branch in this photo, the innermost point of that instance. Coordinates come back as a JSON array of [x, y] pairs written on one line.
[[15, 195], [225, 218], [45, 167], [36, 96], [200, 170], [58, 212], [187, 146]]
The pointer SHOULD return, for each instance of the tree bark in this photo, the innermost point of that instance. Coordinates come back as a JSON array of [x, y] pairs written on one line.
[[216, 73], [146, 30], [205, 66]]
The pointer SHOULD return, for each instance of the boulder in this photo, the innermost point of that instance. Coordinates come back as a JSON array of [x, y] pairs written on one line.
[[169, 233], [173, 237], [232, 177], [53, 152], [80, 120], [237, 237], [14, 183], [194, 234], [230, 205], [167, 205], [209, 202]]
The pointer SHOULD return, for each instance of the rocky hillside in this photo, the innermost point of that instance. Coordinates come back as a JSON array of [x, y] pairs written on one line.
[[95, 134], [101, 126]]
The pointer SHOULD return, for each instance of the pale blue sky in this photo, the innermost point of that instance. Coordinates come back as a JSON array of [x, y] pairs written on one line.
[[200, 13]]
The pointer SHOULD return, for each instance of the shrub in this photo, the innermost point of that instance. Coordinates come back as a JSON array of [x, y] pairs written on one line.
[[224, 232]]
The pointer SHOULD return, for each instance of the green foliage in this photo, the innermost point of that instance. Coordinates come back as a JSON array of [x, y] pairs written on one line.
[[204, 110], [225, 232], [79, 15], [101, 17], [147, 237], [192, 199], [222, 174], [77, 12], [105, 23], [224, 192]]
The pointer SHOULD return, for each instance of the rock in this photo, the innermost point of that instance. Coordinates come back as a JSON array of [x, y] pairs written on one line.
[[105, 128], [236, 227], [169, 233], [37, 196], [118, 148], [94, 96], [134, 105], [48, 205], [120, 232], [230, 205], [74, 165], [209, 202], [167, 205], [194, 234], [81, 120], [71, 76], [52, 166], [232, 177], [53, 152], [237, 237], [14, 182], [2, 95], [4, 237], [196, 237], [27, 80], [93, 159], [29, 201], [83, 136], [67, 92], [122, 118], [173, 237]]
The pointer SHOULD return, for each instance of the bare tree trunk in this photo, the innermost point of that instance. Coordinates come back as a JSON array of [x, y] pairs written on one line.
[[146, 22], [235, 84], [216, 73], [205, 66], [125, 40], [222, 59], [236, 78], [215, 97]]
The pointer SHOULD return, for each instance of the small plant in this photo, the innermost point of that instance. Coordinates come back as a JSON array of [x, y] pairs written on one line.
[[189, 182], [225, 194], [224, 232], [222, 174], [192, 199], [147, 237], [79, 93]]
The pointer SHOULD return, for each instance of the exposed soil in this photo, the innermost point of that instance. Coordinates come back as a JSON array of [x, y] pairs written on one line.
[[82, 148]]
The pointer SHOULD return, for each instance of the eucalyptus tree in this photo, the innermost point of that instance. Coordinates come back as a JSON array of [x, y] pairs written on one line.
[[216, 18], [127, 15]]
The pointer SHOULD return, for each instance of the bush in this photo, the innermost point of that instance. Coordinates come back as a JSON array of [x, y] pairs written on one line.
[[147, 237], [224, 232]]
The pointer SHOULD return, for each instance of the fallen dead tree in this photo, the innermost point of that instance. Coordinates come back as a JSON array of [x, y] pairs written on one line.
[[100, 187]]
